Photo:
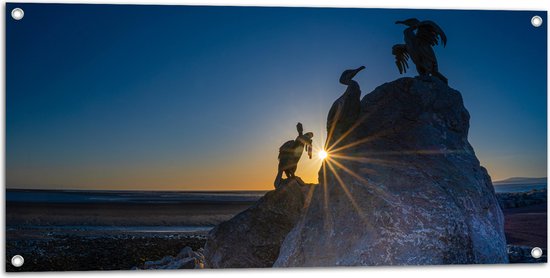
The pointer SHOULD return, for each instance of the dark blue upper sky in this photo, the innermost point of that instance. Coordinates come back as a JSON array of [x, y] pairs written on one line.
[[176, 97]]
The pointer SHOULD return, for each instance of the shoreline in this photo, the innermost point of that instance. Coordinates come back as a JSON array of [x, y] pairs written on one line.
[[119, 238], [121, 214]]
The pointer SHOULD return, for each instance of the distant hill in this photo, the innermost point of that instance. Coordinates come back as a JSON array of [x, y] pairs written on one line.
[[521, 180], [519, 184]]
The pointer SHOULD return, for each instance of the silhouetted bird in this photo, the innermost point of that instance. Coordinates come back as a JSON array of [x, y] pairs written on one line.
[[419, 46], [291, 152], [345, 110]]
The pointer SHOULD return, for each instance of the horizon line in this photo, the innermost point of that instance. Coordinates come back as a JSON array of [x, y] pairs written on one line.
[[195, 191]]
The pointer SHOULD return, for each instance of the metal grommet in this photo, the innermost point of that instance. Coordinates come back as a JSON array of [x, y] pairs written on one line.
[[536, 21], [17, 260], [536, 252], [17, 13]]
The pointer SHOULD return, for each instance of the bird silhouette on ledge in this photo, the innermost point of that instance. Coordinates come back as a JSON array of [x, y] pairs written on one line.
[[291, 152], [345, 110], [420, 37]]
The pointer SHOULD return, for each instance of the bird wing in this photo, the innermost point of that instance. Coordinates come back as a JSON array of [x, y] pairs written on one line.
[[286, 149], [431, 33], [401, 57]]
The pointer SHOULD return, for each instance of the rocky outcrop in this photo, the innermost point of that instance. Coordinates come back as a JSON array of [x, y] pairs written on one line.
[[186, 259], [253, 237], [402, 188]]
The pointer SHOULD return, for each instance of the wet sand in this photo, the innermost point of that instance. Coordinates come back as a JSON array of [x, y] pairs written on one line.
[[526, 225], [121, 214]]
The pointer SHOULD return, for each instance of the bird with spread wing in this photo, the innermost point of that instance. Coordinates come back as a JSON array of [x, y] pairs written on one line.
[[420, 37], [291, 152]]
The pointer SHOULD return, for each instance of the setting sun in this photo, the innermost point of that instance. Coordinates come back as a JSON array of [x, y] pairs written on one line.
[[323, 154]]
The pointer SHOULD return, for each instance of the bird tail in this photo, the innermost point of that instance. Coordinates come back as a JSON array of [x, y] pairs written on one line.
[[441, 76], [278, 179]]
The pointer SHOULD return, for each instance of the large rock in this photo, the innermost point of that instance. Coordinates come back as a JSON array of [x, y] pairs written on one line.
[[406, 189], [253, 237]]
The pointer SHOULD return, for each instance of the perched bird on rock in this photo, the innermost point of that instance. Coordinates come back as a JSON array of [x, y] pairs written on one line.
[[420, 37], [345, 110], [291, 152]]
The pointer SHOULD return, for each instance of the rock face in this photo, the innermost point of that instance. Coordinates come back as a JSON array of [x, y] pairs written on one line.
[[186, 259], [403, 188], [253, 237]]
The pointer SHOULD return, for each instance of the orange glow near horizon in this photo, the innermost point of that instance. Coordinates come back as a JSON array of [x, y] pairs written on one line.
[[238, 169]]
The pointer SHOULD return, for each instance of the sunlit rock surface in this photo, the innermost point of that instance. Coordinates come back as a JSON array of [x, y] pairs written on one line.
[[186, 259], [253, 237], [404, 187]]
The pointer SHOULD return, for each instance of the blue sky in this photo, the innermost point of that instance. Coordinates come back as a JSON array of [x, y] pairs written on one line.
[[200, 98]]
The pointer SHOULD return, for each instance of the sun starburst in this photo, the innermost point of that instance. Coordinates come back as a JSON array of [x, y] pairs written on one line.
[[323, 154]]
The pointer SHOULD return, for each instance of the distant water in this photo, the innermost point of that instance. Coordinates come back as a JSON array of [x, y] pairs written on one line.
[[518, 188], [197, 197], [143, 213], [142, 197], [520, 185], [92, 230]]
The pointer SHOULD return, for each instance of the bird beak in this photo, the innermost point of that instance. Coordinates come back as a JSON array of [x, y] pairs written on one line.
[[357, 70], [399, 22]]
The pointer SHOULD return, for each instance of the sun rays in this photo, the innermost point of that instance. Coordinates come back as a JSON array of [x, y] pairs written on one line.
[[345, 166], [350, 162]]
